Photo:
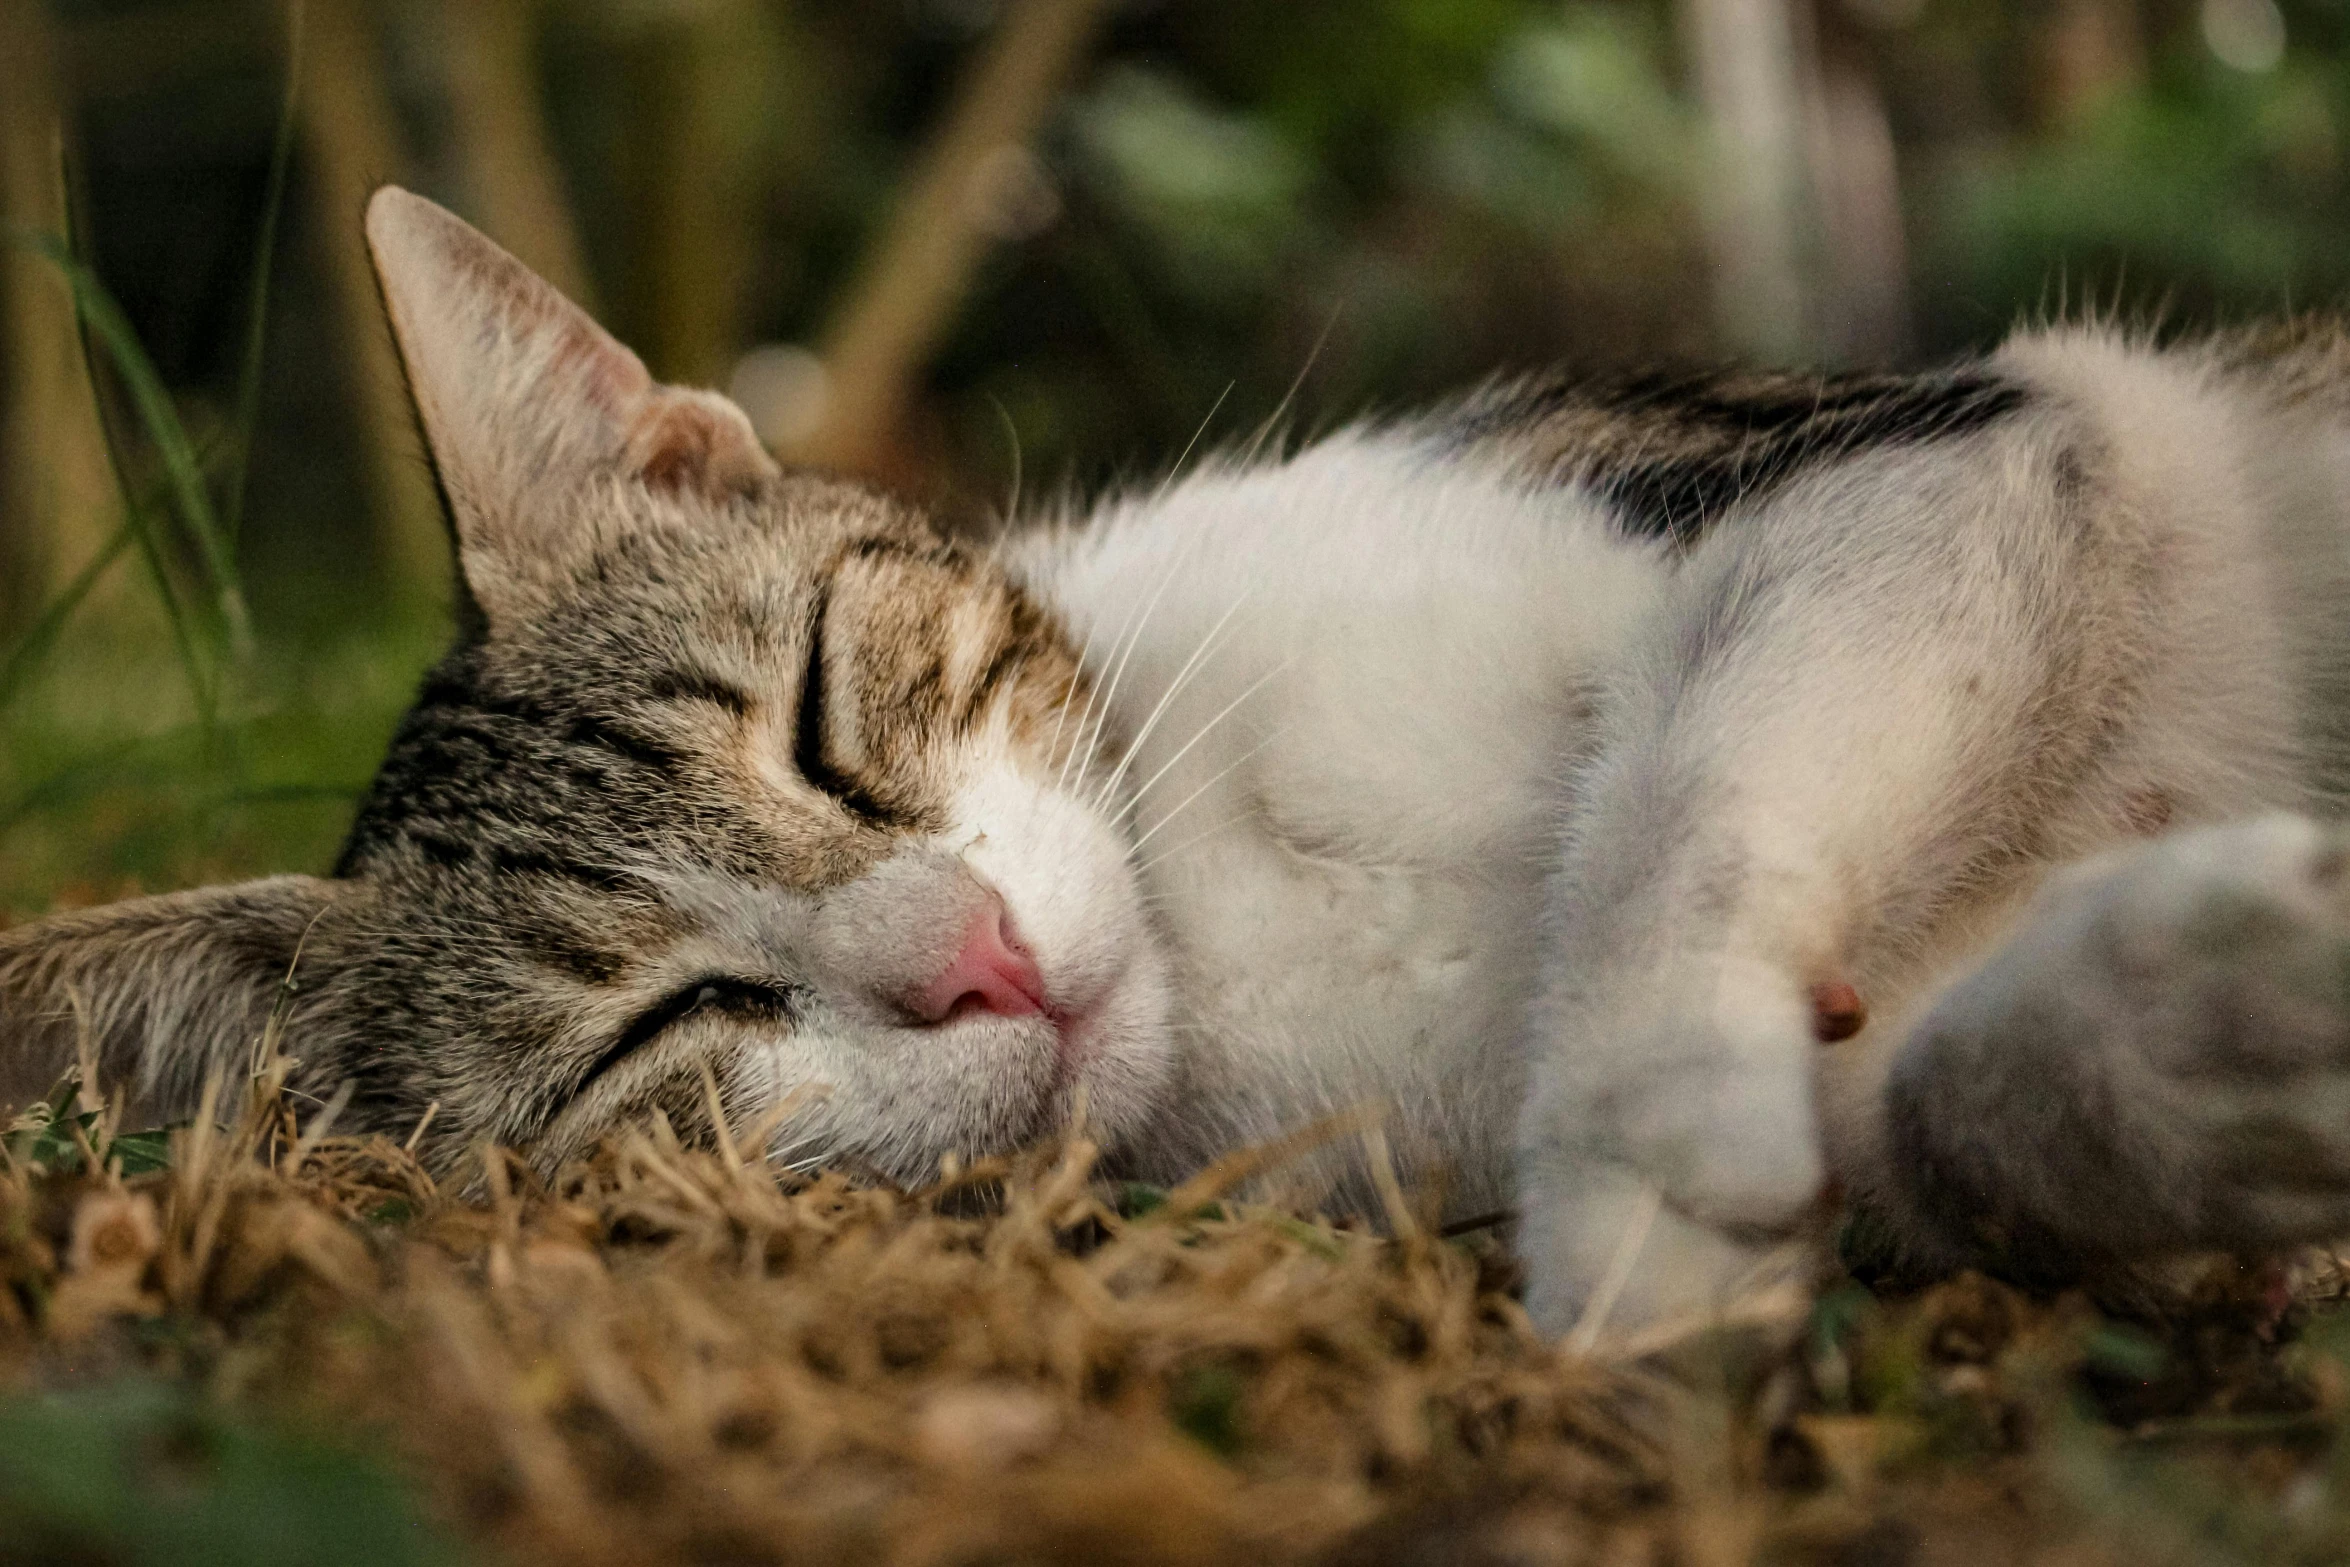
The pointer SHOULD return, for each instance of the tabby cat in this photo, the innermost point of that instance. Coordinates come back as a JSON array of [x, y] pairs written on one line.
[[1685, 803]]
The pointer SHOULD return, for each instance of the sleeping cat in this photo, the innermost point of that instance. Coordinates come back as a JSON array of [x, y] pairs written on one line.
[[1684, 803]]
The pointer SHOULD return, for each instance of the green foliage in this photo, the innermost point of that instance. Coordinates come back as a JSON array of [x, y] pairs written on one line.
[[109, 780], [51, 1135], [2222, 194], [67, 757], [134, 1474], [2198, 192], [1216, 192], [2117, 1349], [1205, 1403], [217, 628], [1136, 1198]]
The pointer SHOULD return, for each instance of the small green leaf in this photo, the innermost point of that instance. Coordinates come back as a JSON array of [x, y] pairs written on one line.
[[1205, 1404], [140, 1153], [1136, 1198], [2122, 1351], [1313, 1238]]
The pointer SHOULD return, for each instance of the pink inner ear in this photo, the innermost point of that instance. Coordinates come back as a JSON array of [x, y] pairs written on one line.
[[501, 364], [696, 442], [587, 362]]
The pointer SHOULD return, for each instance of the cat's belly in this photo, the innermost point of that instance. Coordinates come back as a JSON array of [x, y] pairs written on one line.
[[1312, 986]]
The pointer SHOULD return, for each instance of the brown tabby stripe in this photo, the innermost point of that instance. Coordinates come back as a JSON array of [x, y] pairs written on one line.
[[1673, 451], [808, 747]]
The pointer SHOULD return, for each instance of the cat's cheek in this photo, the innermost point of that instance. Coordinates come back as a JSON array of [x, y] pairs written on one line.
[[900, 1100], [1122, 1057]]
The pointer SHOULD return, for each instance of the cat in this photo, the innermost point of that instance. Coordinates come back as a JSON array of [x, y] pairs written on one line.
[[1689, 804]]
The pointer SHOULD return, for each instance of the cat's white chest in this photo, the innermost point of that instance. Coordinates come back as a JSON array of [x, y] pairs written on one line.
[[1354, 686], [1311, 986]]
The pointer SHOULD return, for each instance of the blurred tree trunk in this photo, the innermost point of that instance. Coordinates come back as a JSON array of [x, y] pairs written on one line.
[[352, 144], [1802, 200], [1864, 315], [58, 497], [705, 114], [904, 298], [512, 182], [1748, 74], [2082, 51]]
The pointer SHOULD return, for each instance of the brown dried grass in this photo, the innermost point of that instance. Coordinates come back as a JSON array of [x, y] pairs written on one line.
[[673, 1354]]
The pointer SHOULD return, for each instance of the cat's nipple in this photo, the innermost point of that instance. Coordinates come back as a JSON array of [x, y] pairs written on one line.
[[1837, 1011], [993, 972]]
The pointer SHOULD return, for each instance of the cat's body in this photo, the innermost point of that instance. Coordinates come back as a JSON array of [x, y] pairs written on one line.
[[1587, 726], [1652, 793], [1383, 663]]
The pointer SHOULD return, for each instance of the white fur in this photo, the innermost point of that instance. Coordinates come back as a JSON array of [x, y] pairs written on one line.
[[1347, 809], [1434, 812]]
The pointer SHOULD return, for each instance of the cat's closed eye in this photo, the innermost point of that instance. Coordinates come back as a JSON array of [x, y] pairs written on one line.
[[808, 753], [764, 1001]]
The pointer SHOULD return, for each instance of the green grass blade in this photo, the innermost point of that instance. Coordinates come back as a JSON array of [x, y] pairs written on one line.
[[248, 405], [151, 550], [34, 645], [162, 423], [25, 658]]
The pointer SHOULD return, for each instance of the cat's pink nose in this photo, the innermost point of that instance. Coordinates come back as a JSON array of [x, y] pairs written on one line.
[[993, 972]]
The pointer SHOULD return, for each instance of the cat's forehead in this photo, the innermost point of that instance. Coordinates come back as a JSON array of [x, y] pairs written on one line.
[[738, 580], [781, 693]]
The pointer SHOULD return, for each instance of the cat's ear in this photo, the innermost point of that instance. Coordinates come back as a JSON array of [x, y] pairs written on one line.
[[165, 990], [526, 402]]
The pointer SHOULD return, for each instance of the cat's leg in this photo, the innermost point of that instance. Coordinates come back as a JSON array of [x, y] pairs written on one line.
[[1810, 777], [2157, 1061], [1869, 716], [1668, 1149]]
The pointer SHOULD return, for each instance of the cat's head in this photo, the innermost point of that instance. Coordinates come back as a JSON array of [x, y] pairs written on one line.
[[737, 777]]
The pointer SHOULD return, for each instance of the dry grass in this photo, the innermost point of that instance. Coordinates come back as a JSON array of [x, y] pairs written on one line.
[[672, 1355]]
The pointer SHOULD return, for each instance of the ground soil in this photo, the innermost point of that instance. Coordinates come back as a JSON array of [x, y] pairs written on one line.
[[670, 1354]]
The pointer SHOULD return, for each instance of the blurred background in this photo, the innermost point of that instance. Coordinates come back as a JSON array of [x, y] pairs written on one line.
[[979, 249]]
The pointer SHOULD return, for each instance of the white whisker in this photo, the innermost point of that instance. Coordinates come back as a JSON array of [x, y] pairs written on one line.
[[1160, 825], [1090, 743], [1196, 839], [1109, 694], [1175, 687], [1061, 780], [1128, 633], [1229, 708], [1076, 673], [1264, 432], [1176, 472]]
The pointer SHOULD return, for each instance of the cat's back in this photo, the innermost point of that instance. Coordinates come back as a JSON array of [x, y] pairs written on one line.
[[1356, 683]]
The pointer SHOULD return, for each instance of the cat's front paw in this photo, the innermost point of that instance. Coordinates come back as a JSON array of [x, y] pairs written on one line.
[[1606, 1255], [2158, 1061], [1670, 1141]]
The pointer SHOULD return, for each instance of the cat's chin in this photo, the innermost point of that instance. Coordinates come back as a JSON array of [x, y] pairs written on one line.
[[1116, 1057]]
